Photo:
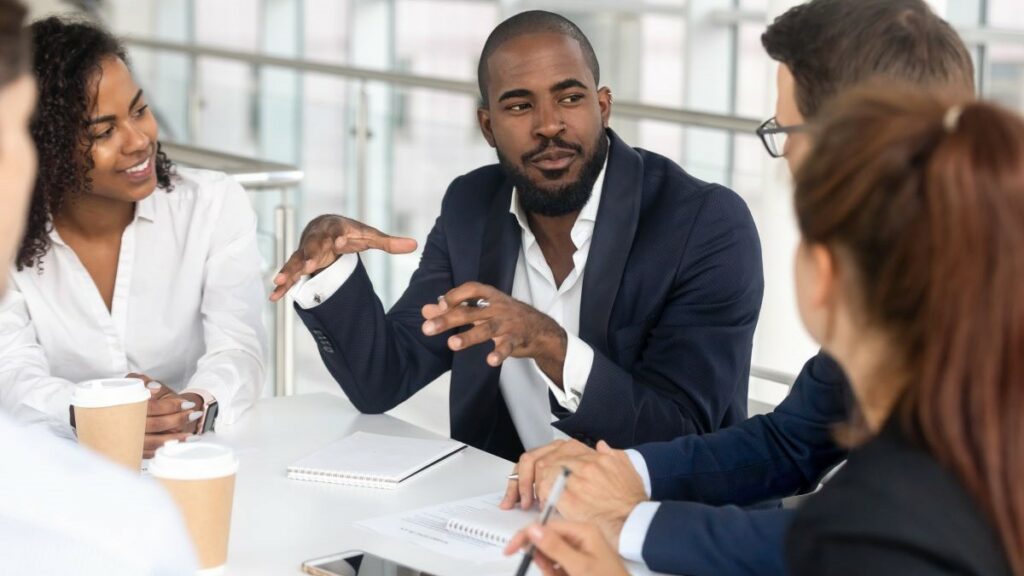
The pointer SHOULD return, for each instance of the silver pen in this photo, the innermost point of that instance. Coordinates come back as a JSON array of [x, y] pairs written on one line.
[[556, 493], [473, 303]]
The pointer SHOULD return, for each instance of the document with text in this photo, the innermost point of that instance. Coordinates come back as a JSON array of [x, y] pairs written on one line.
[[430, 527]]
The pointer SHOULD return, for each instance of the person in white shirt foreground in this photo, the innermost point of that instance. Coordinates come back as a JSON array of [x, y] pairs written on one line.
[[65, 511], [129, 265]]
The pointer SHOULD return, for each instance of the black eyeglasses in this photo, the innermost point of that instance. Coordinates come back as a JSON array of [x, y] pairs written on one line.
[[774, 136]]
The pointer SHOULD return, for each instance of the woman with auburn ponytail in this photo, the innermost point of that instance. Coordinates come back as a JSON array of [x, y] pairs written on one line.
[[911, 273]]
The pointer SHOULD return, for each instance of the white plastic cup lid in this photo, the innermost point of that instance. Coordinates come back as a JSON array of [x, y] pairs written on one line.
[[193, 461], [109, 392]]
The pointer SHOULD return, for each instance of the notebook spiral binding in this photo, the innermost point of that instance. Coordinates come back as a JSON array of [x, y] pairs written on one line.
[[358, 480], [476, 532]]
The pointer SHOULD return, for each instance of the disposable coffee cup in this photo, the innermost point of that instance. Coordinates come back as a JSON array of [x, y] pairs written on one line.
[[201, 478], [110, 418]]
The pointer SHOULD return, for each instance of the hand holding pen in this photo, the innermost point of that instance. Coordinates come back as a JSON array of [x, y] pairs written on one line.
[[560, 547], [516, 329], [549, 507]]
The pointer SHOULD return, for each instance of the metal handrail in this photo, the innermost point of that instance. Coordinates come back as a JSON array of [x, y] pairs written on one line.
[[251, 173], [772, 375], [622, 108]]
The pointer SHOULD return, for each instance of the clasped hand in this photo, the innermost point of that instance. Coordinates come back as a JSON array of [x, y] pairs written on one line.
[[603, 489], [169, 415]]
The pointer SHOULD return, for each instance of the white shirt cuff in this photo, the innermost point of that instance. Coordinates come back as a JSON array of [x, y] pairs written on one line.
[[579, 359], [310, 292], [634, 531], [638, 462]]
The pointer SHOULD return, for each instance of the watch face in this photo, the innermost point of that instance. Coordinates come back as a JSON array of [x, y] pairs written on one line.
[[211, 416]]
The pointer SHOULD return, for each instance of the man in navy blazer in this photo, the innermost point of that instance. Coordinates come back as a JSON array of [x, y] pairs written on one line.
[[676, 506], [584, 284]]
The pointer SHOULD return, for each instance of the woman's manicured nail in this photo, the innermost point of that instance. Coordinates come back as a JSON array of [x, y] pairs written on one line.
[[188, 405], [195, 416]]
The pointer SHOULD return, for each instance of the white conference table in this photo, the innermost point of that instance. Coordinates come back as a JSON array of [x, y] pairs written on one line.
[[277, 523]]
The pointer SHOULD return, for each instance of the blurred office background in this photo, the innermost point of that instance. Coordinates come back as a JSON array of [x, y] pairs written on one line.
[[374, 101]]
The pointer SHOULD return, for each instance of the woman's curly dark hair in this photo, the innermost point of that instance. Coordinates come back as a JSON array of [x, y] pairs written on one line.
[[68, 54]]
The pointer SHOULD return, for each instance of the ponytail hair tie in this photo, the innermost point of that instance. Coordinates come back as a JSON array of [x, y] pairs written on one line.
[[952, 118]]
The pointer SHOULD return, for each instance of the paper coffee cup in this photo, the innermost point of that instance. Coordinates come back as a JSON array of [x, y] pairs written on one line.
[[110, 418], [201, 478]]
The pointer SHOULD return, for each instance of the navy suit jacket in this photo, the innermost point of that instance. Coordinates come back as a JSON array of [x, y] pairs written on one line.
[[701, 529], [671, 295]]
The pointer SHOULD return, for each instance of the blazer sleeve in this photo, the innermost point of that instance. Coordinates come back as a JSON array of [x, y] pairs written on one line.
[[701, 540], [770, 456], [381, 359], [693, 359]]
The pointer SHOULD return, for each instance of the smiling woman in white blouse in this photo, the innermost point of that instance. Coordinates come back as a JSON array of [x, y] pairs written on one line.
[[129, 265]]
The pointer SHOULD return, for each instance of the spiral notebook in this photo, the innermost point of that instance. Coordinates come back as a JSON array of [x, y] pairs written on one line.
[[484, 521], [372, 460]]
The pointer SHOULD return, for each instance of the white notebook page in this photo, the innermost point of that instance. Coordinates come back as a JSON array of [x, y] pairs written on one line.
[[374, 457]]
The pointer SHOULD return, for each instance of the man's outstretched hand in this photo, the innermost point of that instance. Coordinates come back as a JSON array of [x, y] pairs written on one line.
[[325, 239]]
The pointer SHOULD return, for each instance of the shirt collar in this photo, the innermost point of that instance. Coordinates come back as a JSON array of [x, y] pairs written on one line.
[[587, 214], [144, 209]]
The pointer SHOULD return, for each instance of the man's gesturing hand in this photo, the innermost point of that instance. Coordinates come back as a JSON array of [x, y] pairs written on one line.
[[326, 238], [517, 329]]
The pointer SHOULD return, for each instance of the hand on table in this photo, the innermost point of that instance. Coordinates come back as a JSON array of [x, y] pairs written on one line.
[[325, 239], [602, 490], [534, 468], [570, 549], [169, 415], [517, 330]]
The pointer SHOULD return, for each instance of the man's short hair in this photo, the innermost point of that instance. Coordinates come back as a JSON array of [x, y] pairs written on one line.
[[831, 45], [533, 22]]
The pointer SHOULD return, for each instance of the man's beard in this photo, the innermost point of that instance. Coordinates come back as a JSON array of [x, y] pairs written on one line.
[[567, 198]]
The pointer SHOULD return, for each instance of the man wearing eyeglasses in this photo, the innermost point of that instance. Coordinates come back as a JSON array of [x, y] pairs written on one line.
[[823, 48]]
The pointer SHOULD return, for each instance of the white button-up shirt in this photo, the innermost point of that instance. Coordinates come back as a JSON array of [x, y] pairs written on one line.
[[187, 307], [67, 511], [523, 385]]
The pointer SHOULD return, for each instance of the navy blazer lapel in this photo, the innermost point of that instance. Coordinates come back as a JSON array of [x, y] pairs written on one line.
[[617, 219], [502, 238]]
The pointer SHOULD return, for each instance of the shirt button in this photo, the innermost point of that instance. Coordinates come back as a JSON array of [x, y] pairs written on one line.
[[317, 298]]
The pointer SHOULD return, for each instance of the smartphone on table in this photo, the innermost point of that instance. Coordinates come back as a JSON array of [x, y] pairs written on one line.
[[356, 563]]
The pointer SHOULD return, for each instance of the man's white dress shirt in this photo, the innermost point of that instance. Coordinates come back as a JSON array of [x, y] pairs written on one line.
[[65, 510], [524, 386], [187, 307]]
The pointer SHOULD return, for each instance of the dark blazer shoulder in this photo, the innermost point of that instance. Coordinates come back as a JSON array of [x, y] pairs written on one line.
[[671, 188], [474, 190], [893, 503]]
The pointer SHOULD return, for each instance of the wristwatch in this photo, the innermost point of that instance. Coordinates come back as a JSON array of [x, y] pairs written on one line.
[[210, 409], [209, 417]]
